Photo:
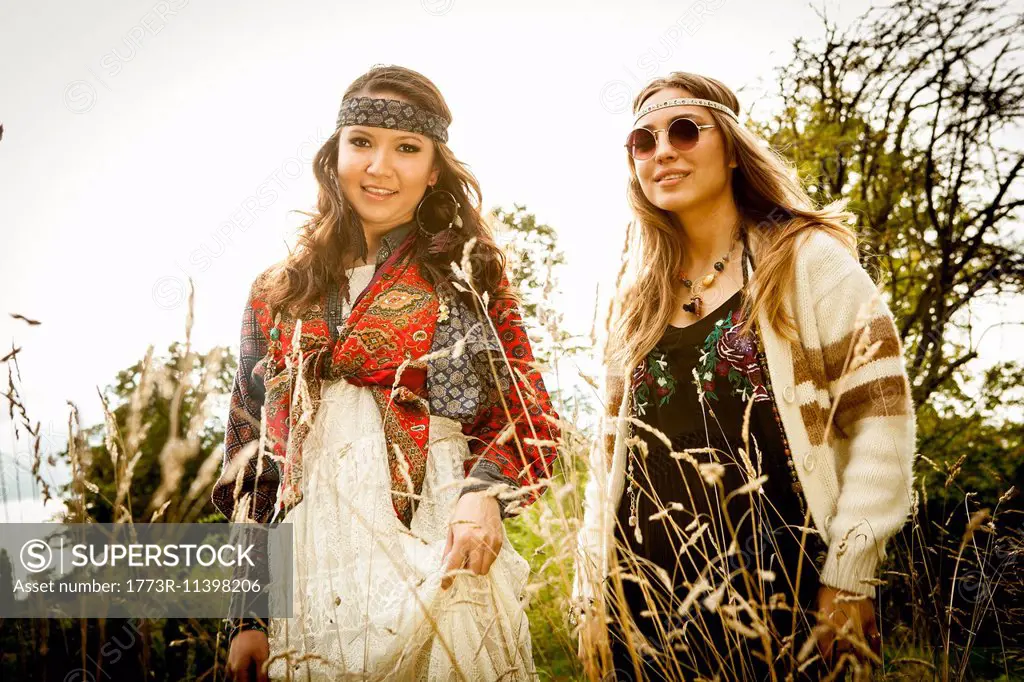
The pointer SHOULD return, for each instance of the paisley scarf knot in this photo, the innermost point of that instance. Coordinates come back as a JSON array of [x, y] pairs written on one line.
[[391, 324]]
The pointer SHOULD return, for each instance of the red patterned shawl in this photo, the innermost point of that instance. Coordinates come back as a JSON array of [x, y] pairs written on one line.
[[390, 327]]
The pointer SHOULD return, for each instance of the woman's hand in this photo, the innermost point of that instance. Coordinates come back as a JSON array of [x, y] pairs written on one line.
[[475, 535], [249, 651], [837, 610]]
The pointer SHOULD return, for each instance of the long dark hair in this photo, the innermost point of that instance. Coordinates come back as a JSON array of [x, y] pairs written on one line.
[[335, 231]]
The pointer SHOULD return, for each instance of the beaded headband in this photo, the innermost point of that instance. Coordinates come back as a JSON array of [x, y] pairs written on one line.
[[687, 100], [394, 114]]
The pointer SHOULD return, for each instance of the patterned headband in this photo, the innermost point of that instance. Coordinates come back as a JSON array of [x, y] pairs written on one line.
[[687, 100], [394, 114]]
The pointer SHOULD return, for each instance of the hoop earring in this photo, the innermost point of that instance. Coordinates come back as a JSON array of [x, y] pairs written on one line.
[[440, 240]]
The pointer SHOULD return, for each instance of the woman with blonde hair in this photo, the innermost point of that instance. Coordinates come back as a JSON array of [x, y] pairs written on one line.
[[383, 400], [757, 450]]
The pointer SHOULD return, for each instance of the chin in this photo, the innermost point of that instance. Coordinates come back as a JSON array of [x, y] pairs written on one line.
[[674, 202], [377, 214]]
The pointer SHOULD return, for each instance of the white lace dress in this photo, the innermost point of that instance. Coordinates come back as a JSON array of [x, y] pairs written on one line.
[[367, 597]]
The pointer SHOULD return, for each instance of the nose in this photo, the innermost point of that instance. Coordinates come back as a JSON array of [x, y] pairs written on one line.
[[380, 162], [663, 149]]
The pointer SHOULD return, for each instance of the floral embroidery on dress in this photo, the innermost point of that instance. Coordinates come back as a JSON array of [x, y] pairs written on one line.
[[652, 380], [728, 354]]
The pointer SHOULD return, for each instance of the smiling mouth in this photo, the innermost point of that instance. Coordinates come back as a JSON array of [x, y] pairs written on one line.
[[672, 176], [379, 193]]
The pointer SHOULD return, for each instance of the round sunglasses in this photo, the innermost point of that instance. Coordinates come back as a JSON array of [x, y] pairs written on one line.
[[683, 134]]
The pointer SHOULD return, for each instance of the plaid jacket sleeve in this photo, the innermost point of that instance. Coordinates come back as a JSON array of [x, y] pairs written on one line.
[[242, 433], [259, 483], [514, 436]]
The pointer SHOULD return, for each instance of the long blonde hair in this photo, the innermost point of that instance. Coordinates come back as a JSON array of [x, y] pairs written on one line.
[[334, 230], [774, 208]]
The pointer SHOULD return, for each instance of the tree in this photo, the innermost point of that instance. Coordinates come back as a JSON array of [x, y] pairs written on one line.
[[160, 441], [533, 260], [909, 114]]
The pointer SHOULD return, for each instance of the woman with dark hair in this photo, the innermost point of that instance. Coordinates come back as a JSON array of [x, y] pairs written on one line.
[[760, 430], [386, 405]]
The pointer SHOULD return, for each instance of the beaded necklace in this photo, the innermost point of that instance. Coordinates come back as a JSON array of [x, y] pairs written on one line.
[[696, 304]]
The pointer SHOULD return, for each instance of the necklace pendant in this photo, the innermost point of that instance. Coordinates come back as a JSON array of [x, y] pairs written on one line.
[[694, 307]]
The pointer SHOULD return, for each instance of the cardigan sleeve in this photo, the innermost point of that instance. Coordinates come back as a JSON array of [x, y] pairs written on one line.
[[873, 425], [514, 437]]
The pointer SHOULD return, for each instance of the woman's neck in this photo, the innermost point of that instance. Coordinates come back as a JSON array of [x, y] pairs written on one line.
[[374, 236], [706, 235]]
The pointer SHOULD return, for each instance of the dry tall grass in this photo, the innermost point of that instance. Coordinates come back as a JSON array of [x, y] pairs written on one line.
[[545, 533]]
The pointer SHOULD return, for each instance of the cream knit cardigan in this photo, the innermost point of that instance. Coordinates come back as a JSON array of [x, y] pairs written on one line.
[[859, 482]]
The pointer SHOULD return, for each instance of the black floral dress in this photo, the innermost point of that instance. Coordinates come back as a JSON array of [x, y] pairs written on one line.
[[716, 556]]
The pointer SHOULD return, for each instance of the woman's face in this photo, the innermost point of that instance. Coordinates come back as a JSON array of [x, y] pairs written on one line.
[[384, 173], [675, 180]]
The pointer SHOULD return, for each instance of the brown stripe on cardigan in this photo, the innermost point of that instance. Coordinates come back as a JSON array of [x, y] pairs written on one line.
[[881, 329], [808, 365], [884, 397], [822, 367], [815, 417]]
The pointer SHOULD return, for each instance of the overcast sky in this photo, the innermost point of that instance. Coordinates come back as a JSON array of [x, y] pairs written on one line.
[[142, 139]]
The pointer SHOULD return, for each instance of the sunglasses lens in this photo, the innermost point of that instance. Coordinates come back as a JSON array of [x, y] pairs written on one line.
[[641, 143], [683, 134]]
